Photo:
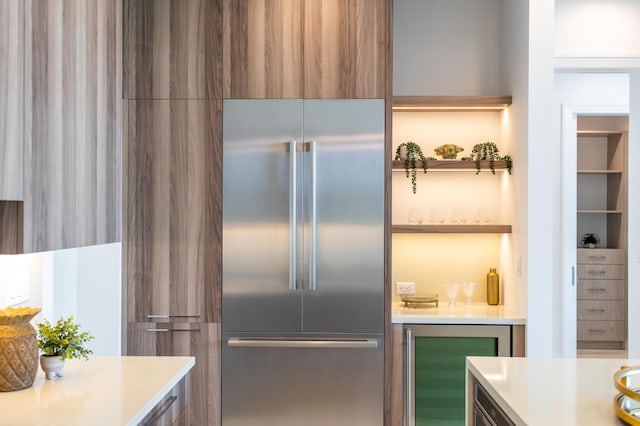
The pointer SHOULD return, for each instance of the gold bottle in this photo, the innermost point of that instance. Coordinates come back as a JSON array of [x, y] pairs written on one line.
[[493, 287]]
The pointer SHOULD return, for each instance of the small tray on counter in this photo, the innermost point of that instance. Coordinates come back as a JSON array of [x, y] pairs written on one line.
[[411, 301]]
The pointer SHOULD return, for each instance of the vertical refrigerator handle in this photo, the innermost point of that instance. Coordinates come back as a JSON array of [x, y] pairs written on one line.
[[408, 379], [313, 243], [293, 215]]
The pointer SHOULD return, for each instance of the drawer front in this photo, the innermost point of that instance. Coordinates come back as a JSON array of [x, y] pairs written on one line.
[[494, 412], [170, 410], [601, 272], [601, 289], [601, 256], [601, 330], [601, 310], [479, 419]]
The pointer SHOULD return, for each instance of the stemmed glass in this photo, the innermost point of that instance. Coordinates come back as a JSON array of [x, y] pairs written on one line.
[[468, 289], [452, 292]]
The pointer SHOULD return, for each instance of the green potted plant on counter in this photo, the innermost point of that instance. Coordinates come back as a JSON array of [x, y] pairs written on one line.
[[410, 152], [61, 341]]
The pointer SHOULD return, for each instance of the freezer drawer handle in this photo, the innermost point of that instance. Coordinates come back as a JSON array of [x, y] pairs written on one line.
[[241, 342]]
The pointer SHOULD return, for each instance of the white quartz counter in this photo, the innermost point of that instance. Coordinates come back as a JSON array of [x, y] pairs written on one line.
[[100, 391], [551, 391], [480, 313]]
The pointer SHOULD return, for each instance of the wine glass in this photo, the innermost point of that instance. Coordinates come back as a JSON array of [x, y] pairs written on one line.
[[415, 216], [468, 288], [452, 292]]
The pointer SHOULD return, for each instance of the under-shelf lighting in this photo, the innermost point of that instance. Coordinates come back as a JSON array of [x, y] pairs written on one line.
[[450, 103]]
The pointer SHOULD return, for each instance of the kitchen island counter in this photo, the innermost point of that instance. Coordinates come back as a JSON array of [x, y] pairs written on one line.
[[479, 313], [551, 391], [102, 390]]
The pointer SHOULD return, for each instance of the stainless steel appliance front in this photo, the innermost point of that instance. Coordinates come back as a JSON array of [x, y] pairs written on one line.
[[303, 259]]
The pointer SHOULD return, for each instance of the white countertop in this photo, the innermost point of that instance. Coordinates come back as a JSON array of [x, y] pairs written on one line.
[[479, 313], [100, 391], [552, 391]]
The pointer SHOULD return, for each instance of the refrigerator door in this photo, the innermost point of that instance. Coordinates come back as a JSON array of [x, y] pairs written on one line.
[[297, 381], [262, 239], [344, 216]]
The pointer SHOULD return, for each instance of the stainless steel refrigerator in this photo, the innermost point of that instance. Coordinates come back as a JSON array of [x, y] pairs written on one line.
[[303, 262]]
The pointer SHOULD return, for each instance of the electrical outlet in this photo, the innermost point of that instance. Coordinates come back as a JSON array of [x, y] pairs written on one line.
[[405, 287]]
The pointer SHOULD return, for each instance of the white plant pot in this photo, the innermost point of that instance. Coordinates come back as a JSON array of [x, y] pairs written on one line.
[[52, 366]]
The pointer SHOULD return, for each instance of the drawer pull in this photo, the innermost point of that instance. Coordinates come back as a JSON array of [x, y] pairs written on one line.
[[596, 331], [596, 311], [166, 405], [600, 257], [596, 290], [166, 330], [597, 272], [156, 316]]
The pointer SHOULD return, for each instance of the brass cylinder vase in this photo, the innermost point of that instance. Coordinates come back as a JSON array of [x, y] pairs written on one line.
[[493, 287], [18, 349]]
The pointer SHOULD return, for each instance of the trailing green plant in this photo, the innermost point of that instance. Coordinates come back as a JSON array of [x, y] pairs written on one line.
[[64, 339], [488, 151], [414, 153]]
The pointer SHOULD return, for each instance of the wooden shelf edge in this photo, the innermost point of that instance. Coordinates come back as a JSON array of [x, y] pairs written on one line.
[[451, 229], [11, 227], [600, 211], [599, 172], [451, 103], [598, 133], [398, 165]]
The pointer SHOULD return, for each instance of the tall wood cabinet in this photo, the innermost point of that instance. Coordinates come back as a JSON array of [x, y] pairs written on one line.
[[172, 188], [602, 210], [60, 124], [306, 48]]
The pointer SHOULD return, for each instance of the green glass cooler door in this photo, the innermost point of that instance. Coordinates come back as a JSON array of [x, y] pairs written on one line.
[[440, 375]]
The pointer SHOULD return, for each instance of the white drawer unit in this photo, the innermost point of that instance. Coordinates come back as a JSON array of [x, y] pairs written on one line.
[[601, 304]]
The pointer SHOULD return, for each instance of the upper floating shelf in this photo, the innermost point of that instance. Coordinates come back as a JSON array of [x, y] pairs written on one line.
[[450, 103], [398, 165], [451, 229], [597, 133]]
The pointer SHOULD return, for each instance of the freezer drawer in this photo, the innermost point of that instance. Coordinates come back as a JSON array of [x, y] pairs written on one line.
[[294, 380]]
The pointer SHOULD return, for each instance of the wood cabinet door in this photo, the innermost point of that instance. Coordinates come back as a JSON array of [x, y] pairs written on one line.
[[172, 206], [11, 98], [345, 48], [201, 340], [172, 49], [72, 118], [263, 49]]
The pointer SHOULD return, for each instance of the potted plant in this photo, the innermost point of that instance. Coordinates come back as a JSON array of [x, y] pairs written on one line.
[[488, 151], [61, 341], [590, 240], [411, 152], [448, 151]]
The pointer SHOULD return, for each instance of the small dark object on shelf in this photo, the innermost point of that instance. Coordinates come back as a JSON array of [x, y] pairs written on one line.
[[590, 240]]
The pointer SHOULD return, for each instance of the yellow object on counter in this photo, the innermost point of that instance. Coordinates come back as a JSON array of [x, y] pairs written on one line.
[[493, 287]]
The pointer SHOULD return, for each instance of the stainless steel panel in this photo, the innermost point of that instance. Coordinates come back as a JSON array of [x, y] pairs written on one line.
[[281, 386], [259, 234], [344, 216]]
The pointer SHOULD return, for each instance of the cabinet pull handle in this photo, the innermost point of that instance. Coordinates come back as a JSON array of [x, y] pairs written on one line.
[[409, 410], [166, 330], [600, 257], [600, 311], [596, 290], [597, 272], [166, 405], [153, 316], [596, 331]]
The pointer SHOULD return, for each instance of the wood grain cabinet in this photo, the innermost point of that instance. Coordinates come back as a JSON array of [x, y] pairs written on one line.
[[200, 340], [305, 48], [72, 123], [11, 99], [172, 49], [172, 207]]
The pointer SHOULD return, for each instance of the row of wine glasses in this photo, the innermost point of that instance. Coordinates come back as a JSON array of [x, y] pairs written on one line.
[[458, 216], [452, 291]]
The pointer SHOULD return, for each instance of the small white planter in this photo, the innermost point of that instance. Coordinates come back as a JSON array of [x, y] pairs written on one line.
[[52, 366]]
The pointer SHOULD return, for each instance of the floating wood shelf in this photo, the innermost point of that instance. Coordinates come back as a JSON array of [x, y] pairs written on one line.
[[599, 172], [597, 133], [398, 165], [600, 211], [451, 229], [450, 103]]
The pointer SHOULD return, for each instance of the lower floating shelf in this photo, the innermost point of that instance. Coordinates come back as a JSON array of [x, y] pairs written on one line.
[[451, 229]]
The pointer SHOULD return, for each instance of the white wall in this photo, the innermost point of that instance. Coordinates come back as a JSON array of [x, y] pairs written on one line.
[[597, 28], [634, 206], [83, 282], [451, 48]]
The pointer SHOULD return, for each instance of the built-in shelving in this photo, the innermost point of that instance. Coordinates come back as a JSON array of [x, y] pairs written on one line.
[[597, 133], [450, 103], [599, 172], [451, 229], [600, 211], [452, 165]]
